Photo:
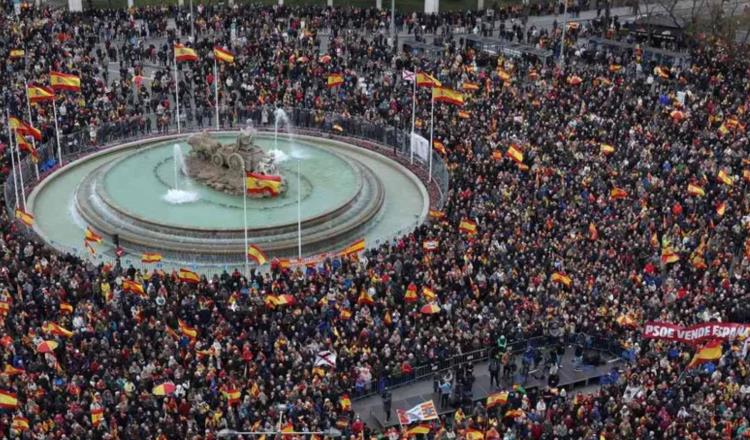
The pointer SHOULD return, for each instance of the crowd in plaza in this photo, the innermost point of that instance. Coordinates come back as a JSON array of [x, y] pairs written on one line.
[[601, 196]]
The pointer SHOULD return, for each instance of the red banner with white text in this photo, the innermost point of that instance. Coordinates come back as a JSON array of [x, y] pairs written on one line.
[[695, 333]]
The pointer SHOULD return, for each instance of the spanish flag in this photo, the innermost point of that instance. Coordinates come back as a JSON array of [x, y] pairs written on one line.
[[470, 86], [257, 183], [133, 287], [427, 80], [232, 395], [354, 248], [288, 428], [24, 128], [365, 299], [497, 155], [695, 190], [16, 53], [515, 153], [183, 53], [25, 217], [188, 276], [335, 80], [257, 255], [19, 424], [345, 314], [346, 403], [439, 147], [10, 370], [37, 93], [668, 255], [474, 434], [503, 74], [725, 178], [150, 257], [66, 308], [418, 430], [559, 277], [721, 208], [57, 330], [448, 96], [411, 293], [710, 352], [614, 68], [496, 399], [4, 307], [64, 81], [464, 114], [429, 294], [90, 236], [437, 215], [467, 226], [187, 330], [97, 415], [606, 149], [8, 400], [223, 55], [617, 193]]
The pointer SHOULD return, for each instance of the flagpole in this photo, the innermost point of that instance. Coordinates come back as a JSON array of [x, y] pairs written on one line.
[[413, 113], [57, 131], [176, 89], [20, 171], [12, 159], [216, 91], [244, 219], [33, 141], [432, 121], [299, 212]]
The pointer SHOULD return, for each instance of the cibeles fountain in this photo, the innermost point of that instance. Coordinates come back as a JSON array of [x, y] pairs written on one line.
[[182, 196]]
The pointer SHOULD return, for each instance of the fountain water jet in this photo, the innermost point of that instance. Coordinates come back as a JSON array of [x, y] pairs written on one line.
[[178, 195], [282, 119]]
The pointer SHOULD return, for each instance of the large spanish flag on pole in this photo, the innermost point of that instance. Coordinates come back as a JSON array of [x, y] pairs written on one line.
[[39, 93], [354, 248], [64, 81], [427, 80], [183, 53], [257, 255], [449, 96], [8, 400], [263, 184], [223, 55]]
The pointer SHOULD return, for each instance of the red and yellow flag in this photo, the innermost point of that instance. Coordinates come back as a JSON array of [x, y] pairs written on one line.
[[90, 236], [37, 93], [232, 395], [8, 400], [695, 190], [150, 257], [467, 226], [16, 53], [606, 149], [669, 256], [429, 294], [25, 217], [354, 248], [725, 178], [10, 370], [188, 276], [470, 86], [721, 208], [448, 96], [64, 81], [335, 80], [57, 330], [19, 424], [184, 53], [709, 352], [257, 183], [593, 232], [66, 308], [365, 299], [515, 153], [223, 55], [617, 193], [559, 277], [97, 415], [187, 330], [439, 147], [427, 80], [421, 429], [133, 287], [346, 403], [411, 293], [436, 214], [256, 254], [500, 398], [24, 128]]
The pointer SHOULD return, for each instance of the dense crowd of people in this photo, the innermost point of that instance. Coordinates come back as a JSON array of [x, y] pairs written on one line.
[[610, 144]]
